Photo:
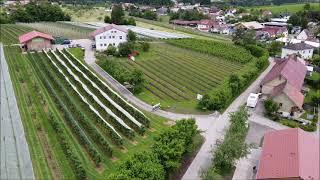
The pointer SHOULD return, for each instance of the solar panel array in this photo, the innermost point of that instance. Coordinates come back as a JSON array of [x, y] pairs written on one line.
[[15, 160]]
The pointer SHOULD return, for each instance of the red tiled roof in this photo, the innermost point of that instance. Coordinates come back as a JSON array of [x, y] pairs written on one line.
[[107, 28], [291, 69], [289, 153], [294, 94], [33, 34], [273, 30]]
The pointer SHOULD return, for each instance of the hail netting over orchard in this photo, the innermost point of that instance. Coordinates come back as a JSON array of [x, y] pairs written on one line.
[[15, 158]]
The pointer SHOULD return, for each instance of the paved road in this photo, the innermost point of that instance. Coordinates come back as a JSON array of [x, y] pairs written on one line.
[[15, 161]]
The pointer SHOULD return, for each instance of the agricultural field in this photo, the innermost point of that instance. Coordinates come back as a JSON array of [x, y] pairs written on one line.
[[76, 126], [9, 33], [292, 8], [60, 29], [87, 15], [174, 76]]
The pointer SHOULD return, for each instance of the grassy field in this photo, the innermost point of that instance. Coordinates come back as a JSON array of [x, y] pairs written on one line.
[[291, 8], [42, 94], [78, 53], [175, 75]]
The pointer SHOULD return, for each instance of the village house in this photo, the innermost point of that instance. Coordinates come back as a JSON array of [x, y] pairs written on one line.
[[302, 49], [269, 32], [205, 25], [109, 35], [306, 35], [35, 41], [290, 154], [222, 29], [252, 25], [214, 11], [162, 11], [284, 83]]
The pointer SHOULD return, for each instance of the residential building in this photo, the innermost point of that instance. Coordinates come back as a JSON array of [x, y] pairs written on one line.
[[214, 11], [302, 49], [284, 82], [109, 35], [162, 11], [206, 25], [289, 154], [35, 41], [273, 32], [306, 35], [253, 25], [222, 29]]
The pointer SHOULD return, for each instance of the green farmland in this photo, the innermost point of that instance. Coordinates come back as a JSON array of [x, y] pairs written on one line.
[[175, 75], [9, 33], [291, 8]]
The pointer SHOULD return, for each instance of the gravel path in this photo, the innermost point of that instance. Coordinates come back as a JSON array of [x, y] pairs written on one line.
[[15, 161]]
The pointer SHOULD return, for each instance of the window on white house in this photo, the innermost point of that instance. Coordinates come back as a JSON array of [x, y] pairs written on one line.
[[100, 37], [113, 37], [120, 37], [105, 44], [114, 44], [101, 45], [109, 37], [104, 37]]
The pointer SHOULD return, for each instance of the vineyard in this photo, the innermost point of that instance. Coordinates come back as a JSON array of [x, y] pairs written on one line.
[[9, 33], [64, 102], [60, 29], [175, 75]]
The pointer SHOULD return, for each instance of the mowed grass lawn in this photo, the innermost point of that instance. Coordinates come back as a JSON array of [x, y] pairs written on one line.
[[174, 76], [292, 8]]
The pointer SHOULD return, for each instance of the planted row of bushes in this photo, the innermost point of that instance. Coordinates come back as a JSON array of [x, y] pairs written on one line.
[[165, 156], [130, 109], [224, 50], [98, 93], [126, 131], [67, 149], [110, 132], [71, 121], [232, 148], [77, 112]]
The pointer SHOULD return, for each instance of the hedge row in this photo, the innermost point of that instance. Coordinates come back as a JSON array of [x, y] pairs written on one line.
[[232, 148], [138, 115], [69, 152]]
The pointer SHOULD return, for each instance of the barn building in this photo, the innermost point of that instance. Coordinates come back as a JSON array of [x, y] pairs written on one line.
[[35, 41]]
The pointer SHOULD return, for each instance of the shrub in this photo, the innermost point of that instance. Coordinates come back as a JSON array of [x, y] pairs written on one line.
[[145, 46], [271, 107], [111, 50], [124, 49]]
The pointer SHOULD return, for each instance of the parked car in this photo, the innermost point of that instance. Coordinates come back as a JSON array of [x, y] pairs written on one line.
[[66, 41]]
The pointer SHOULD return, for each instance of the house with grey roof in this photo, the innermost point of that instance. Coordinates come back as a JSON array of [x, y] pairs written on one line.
[[302, 49]]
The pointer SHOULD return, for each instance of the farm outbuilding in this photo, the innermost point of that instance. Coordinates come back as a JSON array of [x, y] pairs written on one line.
[[35, 41]]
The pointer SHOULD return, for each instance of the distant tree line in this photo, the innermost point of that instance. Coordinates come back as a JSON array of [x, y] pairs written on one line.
[[302, 18], [147, 2], [188, 15], [33, 12], [145, 14]]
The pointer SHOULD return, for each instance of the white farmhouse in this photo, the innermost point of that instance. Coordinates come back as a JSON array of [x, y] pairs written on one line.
[[302, 49], [109, 35]]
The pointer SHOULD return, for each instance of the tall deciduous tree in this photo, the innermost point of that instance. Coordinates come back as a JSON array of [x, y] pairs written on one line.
[[117, 14]]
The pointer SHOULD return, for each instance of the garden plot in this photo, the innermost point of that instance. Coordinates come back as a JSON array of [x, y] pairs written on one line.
[[15, 158]]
